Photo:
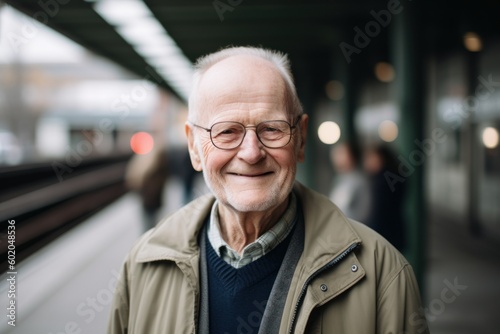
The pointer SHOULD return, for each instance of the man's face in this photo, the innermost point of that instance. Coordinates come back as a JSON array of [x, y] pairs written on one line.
[[250, 177]]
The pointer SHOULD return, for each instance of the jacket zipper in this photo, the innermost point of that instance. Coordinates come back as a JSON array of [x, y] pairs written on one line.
[[314, 275]]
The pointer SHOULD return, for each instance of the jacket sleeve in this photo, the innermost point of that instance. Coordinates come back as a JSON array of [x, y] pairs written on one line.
[[399, 305], [119, 315]]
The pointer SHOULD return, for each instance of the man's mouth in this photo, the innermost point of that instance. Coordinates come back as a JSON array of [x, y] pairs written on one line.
[[251, 174]]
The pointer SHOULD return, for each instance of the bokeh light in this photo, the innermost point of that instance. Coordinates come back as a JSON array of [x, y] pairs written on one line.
[[473, 42], [388, 131], [141, 143], [334, 89], [384, 72], [490, 137], [329, 132]]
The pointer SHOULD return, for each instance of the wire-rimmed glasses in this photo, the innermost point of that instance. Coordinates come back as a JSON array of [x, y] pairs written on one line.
[[229, 135]]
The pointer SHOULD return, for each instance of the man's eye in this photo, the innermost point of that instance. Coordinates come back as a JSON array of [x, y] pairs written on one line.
[[270, 129], [226, 132]]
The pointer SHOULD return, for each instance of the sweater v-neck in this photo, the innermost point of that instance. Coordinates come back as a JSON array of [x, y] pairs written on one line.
[[237, 279]]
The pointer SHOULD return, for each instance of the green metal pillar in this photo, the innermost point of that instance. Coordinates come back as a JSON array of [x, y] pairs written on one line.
[[407, 55], [305, 89], [346, 75]]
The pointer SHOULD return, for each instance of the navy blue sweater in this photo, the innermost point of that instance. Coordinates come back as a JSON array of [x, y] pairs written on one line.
[[237, 297]]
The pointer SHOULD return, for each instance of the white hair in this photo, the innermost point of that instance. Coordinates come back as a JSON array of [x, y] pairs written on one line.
[[278, 59]]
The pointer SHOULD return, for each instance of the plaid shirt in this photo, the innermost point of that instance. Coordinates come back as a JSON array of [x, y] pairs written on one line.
[[260, 247]]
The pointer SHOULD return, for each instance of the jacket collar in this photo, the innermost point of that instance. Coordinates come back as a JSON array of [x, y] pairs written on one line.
[[176, 237], [327, 231]]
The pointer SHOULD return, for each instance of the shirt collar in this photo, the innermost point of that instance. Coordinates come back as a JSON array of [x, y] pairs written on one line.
[[263, 245]]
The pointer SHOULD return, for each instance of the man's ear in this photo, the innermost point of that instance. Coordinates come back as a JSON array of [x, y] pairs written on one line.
[[304, 121], [193, 151]]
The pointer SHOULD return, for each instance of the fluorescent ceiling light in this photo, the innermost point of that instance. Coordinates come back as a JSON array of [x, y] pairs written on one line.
[[119, 12], [134, 21], [155, 51], [34, 50]]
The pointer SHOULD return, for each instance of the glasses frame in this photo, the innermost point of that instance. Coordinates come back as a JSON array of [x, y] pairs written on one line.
[[209, 130]]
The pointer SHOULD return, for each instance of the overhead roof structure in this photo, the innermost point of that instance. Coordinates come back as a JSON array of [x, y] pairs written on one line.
[[311, 31]]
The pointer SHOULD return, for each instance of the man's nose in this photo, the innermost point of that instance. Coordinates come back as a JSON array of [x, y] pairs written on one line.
[[251, 149]]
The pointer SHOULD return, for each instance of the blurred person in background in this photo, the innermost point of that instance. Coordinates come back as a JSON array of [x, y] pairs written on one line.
[[387, 202], [261, 253], [146, 174], [350, 190]]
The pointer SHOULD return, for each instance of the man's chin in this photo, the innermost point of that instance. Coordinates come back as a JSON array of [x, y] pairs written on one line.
[[254, 203]]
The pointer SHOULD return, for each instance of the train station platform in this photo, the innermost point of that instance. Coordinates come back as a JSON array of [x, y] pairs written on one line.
[[462, 291], [67, 286]]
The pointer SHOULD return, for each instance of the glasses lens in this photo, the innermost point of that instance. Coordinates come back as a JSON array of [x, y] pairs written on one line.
[[227, 135], [274, 134]]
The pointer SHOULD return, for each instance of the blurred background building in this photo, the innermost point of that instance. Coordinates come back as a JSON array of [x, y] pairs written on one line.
[[87, 85]]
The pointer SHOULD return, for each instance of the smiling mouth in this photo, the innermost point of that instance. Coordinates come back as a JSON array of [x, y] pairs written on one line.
[[252, 175]]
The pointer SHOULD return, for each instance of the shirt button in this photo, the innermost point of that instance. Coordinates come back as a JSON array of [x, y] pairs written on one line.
[[354, 268], [323, 287]]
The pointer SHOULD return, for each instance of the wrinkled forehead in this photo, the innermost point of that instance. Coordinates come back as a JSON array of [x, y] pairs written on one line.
[[241, 80]]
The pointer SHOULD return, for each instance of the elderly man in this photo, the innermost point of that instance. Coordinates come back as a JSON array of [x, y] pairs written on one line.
[[263, 254]]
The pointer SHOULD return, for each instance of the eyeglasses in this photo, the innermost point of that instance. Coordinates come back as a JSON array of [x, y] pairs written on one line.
[[230, 135]]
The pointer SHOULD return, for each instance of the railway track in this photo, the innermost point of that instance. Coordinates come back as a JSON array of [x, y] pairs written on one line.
[[44, 207]]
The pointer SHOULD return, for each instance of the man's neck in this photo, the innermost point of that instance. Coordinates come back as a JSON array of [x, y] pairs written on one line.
[[240, 229]]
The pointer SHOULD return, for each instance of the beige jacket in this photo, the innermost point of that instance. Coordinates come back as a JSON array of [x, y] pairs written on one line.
[[337, 287]]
